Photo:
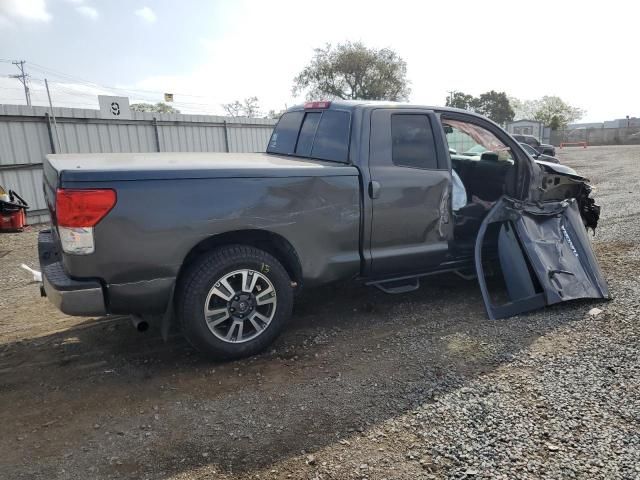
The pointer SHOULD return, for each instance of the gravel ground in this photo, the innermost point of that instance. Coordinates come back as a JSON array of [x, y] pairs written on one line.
[[362, 385]]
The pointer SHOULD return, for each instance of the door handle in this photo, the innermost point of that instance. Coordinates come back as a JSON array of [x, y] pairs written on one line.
[[374, 189]]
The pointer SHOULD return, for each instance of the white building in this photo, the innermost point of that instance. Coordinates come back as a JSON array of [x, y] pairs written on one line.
[[530, 127]]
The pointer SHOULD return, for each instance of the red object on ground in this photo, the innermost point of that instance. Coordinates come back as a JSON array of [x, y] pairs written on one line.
[[566, 144], [14, 221]]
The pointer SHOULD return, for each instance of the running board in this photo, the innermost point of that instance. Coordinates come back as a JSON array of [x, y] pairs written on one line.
[[468, 275], [409, 285]]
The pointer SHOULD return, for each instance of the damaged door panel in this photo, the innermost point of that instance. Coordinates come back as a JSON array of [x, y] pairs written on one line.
[[544, 253]]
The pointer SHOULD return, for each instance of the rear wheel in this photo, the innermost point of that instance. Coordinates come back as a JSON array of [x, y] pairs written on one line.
[[234, 301]]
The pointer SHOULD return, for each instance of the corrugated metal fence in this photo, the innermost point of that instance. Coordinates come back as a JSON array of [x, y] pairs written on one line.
[[598, 136], [27, 134]]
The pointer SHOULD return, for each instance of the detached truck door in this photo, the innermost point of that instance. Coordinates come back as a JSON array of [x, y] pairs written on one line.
[[410, 191], [545, 256]]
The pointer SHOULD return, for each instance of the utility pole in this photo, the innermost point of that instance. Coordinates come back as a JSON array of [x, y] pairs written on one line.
[[23, 77], [451, 92], [53, 115]]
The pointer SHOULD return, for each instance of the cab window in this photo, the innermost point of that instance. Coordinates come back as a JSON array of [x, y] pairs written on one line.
[[322, 135], [412, 141]]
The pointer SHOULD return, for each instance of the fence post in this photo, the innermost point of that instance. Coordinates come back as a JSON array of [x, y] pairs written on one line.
[[52, 143], [155, 132], [226, 136]]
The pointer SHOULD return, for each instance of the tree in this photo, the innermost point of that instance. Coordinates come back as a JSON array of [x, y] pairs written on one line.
[[274, 114], [550, 110], [523, 109], [233, 109], [159, 107], [556, 113], [495, 105], [461, 100], [249, 107], [492, 104], [352, 71]]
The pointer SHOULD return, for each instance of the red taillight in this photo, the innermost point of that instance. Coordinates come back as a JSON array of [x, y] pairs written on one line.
[[83, 208], [323, 104]]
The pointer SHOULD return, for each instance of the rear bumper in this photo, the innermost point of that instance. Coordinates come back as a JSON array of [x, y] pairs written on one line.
[[73, 297]]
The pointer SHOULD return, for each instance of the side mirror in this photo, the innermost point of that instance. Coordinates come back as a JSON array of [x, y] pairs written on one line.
[[453, 151], [490, 157]]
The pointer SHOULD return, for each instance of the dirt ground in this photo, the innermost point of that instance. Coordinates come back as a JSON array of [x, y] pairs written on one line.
[[361, 385]]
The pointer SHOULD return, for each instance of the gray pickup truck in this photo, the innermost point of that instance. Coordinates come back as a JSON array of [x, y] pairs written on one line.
[[220, 243]]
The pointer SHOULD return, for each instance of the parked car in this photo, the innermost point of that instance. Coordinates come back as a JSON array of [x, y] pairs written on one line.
[[220, 243], [537, 155], [543, 148], [476, 152]]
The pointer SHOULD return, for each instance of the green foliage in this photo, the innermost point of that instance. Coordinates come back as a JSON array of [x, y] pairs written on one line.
[[495, 105], [492, 104], [523, 109], [159, 107], [461, 100], [556, 113], [549, 110], [352, 71]]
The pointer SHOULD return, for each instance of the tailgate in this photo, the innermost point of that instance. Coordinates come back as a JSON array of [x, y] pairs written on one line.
[[50, 182]]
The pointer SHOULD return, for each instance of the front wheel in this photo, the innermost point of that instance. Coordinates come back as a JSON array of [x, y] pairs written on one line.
[[234, 301]]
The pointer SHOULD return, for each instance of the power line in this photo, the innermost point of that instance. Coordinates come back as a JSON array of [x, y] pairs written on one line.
[[11, 88], [140, 95], [68, 89], [96, 85], [68, 85]]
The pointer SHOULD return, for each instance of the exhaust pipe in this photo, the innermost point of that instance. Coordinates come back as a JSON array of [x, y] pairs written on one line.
[[139, 323]]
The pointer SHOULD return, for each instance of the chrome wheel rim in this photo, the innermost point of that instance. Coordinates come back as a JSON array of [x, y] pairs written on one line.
[[240, 306]]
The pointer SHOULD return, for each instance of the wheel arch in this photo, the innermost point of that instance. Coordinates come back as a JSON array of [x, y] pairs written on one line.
[[270, 242]]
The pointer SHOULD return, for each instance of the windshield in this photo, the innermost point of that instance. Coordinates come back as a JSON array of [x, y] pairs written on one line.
[[474, 140], [528, 149]]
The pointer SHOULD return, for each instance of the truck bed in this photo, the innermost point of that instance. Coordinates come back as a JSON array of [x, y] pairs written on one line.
[[169, 203]]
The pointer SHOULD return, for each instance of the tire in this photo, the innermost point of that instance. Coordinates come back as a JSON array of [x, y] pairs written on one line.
[[256, 313]]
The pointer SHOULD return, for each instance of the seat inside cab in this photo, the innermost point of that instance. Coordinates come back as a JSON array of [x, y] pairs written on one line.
[[484, 165]]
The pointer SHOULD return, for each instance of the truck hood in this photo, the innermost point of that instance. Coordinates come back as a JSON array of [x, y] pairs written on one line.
[[560, 169], [98, 167]]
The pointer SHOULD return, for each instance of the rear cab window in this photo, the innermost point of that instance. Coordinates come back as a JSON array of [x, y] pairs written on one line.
[[285, 135], [307, 134], [322, 135]]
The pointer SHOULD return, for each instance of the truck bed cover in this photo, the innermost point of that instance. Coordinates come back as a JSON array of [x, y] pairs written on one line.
[[173, 166]]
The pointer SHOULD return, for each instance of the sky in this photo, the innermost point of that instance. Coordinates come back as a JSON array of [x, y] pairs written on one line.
[[212, 52]]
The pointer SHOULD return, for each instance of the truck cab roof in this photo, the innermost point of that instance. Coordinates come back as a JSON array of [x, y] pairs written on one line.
[[365, 104], [324, 130]]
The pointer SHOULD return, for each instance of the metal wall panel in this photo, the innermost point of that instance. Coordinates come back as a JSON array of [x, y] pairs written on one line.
[[248, 139], [25, 140]]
